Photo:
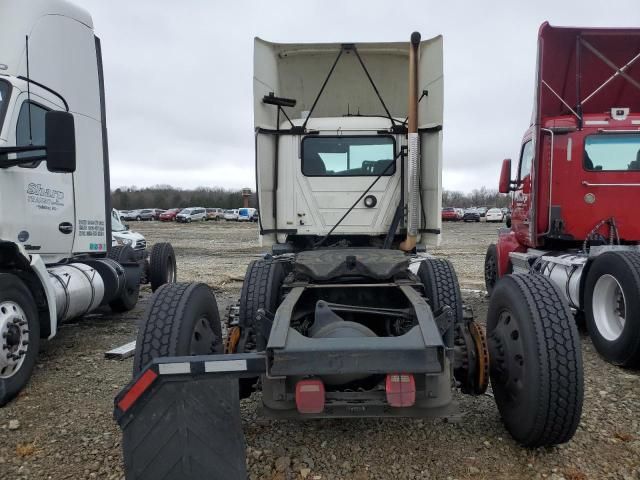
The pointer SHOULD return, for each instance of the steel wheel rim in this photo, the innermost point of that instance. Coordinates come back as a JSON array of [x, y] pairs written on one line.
[[609, 307], [14, 338], [508, 359], [171, 271], [203, 340]]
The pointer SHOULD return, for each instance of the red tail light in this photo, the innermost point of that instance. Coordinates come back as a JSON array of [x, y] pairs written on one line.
[[310, 396], [137, 389], [401, 389]]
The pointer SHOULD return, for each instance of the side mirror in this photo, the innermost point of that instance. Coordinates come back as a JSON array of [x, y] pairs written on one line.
[[505, 176], [60, 140], [127, 227]]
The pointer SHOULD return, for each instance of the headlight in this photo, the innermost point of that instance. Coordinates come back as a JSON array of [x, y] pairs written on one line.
[[124, 241]]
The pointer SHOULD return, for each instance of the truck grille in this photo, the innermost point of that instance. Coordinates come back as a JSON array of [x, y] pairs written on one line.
[[140, 245]]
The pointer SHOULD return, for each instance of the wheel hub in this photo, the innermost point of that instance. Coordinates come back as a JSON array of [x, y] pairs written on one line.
[[472, 359], [609, 307], [507, 355], [14, 338], [204, 341]]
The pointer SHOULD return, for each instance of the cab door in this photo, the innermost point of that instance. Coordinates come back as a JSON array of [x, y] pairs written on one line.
[[522, 195], [36, 205]]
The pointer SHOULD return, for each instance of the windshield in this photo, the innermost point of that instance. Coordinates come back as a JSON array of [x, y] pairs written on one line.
[[5, 89], [342, 156], [607, 152], [186, 211], [116, 224]]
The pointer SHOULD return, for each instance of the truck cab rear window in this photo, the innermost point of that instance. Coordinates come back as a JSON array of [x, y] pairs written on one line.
[[610, 152], [348, 156]]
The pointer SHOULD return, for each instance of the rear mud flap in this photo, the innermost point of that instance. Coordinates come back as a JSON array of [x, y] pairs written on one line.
[[185, 428]]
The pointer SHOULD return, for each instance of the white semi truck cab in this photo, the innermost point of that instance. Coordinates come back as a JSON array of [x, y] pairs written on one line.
[[334, 163], [56, 257]]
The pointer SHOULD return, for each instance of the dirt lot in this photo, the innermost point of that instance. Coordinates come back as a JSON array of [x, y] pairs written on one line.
[[65, 430]]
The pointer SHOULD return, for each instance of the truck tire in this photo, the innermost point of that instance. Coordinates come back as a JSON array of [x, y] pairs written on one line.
[[260, 290], [162, 265], [128, 298], [19, 336], [491, 268], [441, 286], [535, 360], [181, 319], [612, 307]]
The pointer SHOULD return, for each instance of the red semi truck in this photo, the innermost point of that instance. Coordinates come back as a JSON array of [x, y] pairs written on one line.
[[576, 187]]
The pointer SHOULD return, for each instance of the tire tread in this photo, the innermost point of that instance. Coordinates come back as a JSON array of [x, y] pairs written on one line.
[[440, 277], [560, 361], [159, 331], [160, 253]]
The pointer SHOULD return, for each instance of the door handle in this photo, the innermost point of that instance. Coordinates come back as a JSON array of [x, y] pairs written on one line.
[[65, 227]]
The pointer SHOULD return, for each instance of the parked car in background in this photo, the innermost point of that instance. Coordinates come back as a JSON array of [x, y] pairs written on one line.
[[121, 214], [157, 213], [193, 214], [131, 215], [482, 211], [495, 215], [471, 215], [246, 214], [146, 214], [450, 214], [121, 235], [215, 213], [460, 213], [169, 215], [231, 215]]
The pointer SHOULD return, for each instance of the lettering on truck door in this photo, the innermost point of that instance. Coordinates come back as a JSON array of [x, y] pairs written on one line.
[[40, 214]]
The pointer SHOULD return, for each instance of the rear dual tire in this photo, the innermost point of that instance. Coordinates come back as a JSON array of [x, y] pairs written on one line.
[[441, 286], [260, 290], [536, 362], [612, 307]]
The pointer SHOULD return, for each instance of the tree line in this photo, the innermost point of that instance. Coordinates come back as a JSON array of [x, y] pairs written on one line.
[[479, 197], [166, 196]]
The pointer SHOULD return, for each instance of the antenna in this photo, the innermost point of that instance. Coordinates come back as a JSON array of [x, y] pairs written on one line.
[[29, 91]]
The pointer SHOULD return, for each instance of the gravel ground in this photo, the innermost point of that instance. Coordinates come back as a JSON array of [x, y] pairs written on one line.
[[61, 426]]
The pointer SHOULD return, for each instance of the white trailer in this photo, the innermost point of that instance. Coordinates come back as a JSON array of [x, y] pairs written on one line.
[[56, 258]]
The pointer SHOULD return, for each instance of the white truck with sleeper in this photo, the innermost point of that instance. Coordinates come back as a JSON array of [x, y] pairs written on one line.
[[56, 256]]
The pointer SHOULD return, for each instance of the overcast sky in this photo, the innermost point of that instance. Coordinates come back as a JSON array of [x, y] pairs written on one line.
[[179, 76]]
